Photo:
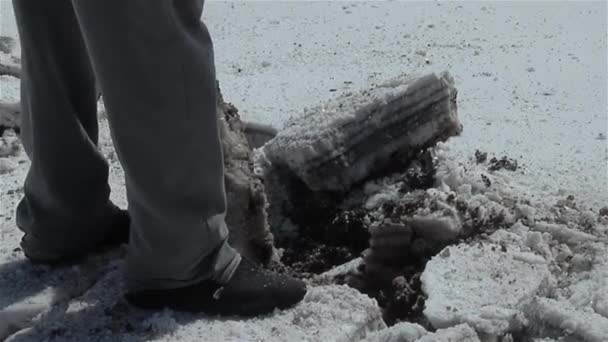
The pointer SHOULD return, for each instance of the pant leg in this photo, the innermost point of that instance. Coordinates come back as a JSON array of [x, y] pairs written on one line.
[[66, 191], [154, 62]]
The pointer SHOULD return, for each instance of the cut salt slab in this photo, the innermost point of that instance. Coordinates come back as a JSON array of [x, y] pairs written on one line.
[[481, 285], [333, 146], [327, 313]]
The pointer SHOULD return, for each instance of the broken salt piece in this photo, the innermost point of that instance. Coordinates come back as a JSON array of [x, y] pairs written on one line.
[[477, 301]]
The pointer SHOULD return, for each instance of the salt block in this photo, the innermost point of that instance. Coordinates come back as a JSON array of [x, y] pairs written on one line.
[[389, 233], [335, 145], [565, 319], [481, 285], [436, 226]]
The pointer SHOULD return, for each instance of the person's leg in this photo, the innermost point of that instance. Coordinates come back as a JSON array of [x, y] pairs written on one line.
[[66, 211], [154, 63]]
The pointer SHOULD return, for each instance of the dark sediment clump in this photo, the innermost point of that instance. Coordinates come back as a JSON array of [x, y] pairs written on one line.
[[481, 157], [420, 173], [503, 163], [326, 240], [394, 282], [496, 164], [308, 258], [404, 301]]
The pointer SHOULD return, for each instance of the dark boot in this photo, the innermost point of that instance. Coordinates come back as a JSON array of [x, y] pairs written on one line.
[[251, 291]]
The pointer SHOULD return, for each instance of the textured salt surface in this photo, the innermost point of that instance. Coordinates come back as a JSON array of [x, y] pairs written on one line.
[[335, 313], [532, 83], [481, 285], [408, 332]]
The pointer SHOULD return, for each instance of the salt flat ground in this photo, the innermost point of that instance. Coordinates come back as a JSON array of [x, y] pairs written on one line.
[[532, 82], [532, 76]]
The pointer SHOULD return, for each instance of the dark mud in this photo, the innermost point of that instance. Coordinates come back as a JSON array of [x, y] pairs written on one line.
[[338, 239], [495, 163], [330, 235], [398, 291], [403, 300]]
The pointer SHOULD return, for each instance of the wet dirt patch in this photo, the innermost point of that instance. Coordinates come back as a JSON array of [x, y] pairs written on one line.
[[398, 291], [331, 235], [334, 241]]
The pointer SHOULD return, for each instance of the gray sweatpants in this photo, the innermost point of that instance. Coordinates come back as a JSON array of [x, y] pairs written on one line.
[[154, 63]]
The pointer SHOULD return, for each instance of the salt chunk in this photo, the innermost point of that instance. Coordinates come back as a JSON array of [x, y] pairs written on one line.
[[475, 285]]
